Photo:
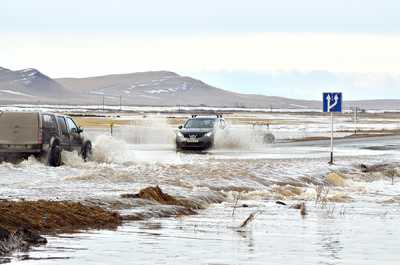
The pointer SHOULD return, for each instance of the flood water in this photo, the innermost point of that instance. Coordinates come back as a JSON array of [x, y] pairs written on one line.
[[359, 223]]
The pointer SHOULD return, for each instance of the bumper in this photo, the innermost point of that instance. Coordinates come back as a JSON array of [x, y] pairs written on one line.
[[19, 151], [12, 154], [199, 143]]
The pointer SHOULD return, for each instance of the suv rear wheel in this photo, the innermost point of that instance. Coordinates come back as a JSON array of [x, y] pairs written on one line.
[[54, 156]]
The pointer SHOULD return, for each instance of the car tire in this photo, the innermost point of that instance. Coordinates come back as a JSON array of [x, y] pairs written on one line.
[[269, 138], [86, 151], [178, 147], [54, 156]]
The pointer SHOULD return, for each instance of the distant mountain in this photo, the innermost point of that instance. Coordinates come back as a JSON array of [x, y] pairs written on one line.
[[159, 88], [167, 88], [28, 85]]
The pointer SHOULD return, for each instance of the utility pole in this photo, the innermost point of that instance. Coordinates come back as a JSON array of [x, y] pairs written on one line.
[[103, 103], [120, 102]]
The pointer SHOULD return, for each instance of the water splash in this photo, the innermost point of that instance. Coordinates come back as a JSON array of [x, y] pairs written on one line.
[[154, 130], [72, 159], [108, 149], [243, 138]]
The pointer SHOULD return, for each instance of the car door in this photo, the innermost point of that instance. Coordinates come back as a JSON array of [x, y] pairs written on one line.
[[75, 138], [64, 134]]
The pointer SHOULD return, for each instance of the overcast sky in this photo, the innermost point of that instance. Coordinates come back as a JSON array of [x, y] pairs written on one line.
[[282, 48]]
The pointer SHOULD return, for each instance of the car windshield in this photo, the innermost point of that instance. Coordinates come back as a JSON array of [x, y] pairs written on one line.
[[200, 123]]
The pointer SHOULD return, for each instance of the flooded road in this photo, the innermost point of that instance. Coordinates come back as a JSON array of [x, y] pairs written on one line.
[[277, 236], [356, 224]]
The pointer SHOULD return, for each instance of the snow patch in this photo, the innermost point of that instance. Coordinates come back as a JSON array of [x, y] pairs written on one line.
[[150, 97], [183, 87], [298, 106], [16, 93], [96, 92], [157, 91], [28, 70]]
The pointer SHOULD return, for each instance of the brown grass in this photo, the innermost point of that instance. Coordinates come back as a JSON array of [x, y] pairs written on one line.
[[156, 194], [321, 195], [55, 216], [303, 210], [248, 220], [98, 122]]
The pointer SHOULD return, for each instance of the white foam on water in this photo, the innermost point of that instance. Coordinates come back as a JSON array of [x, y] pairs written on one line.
[[72, 159], [108, 149], [154, 130], [242, 138], [31, 162]]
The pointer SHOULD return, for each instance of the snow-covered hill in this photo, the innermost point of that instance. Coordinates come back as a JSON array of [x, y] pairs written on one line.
[[168, 89], [158, 88], [28, 85]]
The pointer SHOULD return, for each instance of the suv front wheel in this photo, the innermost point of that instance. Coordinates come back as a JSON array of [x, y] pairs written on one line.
[[86, 152]]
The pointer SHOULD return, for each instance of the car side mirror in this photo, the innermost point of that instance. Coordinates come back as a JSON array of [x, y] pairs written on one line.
[[76, 130], [180, 127]]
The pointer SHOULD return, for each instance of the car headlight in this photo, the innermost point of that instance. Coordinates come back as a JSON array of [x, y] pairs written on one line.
[[179, 134], [209, 134]]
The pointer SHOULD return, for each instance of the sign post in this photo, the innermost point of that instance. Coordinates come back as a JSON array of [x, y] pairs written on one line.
[[332, 102]]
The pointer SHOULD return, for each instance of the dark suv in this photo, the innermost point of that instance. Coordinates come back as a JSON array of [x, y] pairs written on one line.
[[43, 135], [198, 132]]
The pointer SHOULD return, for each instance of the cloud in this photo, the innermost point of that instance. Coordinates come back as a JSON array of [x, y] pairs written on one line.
[[307, 85], [82, 55]]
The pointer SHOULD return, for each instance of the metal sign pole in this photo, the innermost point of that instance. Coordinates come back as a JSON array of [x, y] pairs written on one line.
[[331, 162], [332, 102], [356, 120]]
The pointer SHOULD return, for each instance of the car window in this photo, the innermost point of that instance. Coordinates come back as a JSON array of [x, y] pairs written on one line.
[[200, 123], [49, 121], [71, 124], [62, 125]]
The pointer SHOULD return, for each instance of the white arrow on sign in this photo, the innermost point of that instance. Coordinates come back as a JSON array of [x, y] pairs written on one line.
[[328, 99]]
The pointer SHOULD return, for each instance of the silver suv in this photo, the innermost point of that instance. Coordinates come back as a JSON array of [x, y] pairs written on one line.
[[198, 132], [43, 135]]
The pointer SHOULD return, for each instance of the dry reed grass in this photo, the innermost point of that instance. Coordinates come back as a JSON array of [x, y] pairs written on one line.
[[55, 216]]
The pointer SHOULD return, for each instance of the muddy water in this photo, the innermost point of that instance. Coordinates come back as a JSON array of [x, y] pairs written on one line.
[[357, 224]]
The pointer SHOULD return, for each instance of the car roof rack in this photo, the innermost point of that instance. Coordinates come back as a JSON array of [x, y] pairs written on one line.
[[216, 114]]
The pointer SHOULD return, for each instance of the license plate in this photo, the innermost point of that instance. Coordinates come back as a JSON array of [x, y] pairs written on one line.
[[192, 140]]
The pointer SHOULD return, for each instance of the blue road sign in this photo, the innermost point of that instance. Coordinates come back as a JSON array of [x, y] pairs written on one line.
[[332, 102]]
